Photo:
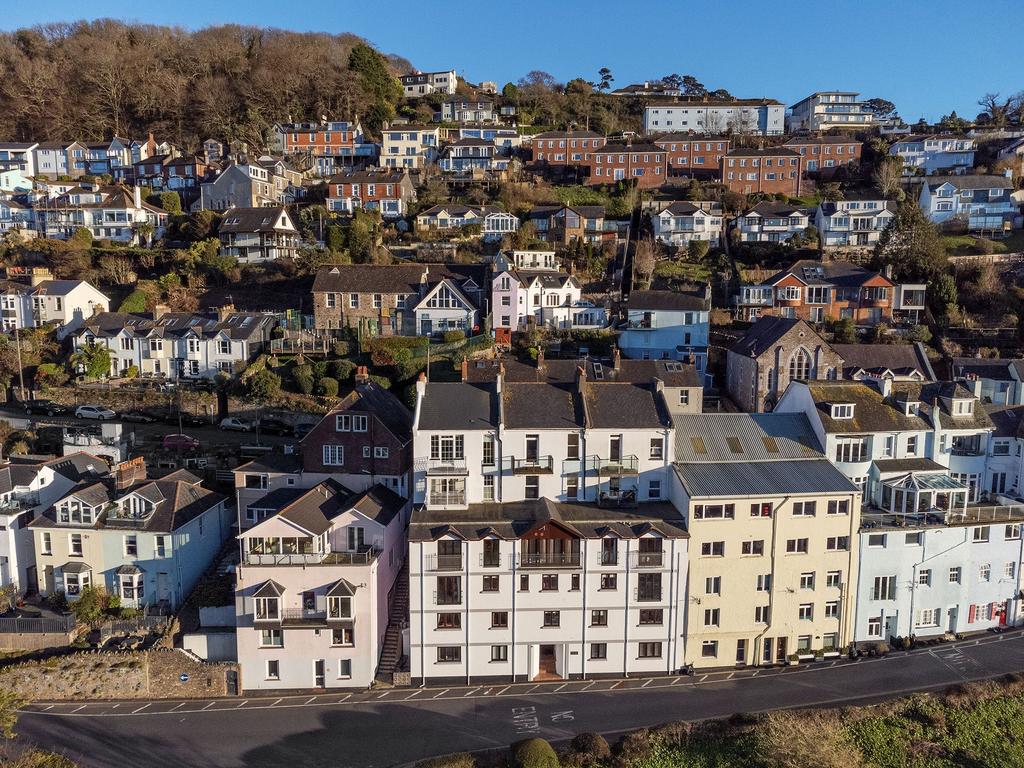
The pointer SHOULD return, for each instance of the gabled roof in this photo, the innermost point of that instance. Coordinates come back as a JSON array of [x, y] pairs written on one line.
[[624, 405], [696, 300], [460, 210], [762, 152], [458, 405], [767, 331], [269, 588], [373, 399], [314, 509], [453, 286], [970, 182], [898, 359], [599, 371], [394, 278], [568, 135], [256, 220], [541, 406], [871, 411], [775, 208], [837, 273], [685, 208], [239, 326]]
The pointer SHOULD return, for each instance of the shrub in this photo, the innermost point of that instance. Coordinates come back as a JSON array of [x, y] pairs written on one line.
[[327, 387], [696, 250], [342, 370], [409, 396], [131, 372], [458, 760], [590, 748], [341, 348], [264, 384], [171, 202], [534, 753], [381, 381], [985, 246], [302, 375], [134, 302], [57, 601], [798, 739], [450, 337], [634, 746], [51, 374]]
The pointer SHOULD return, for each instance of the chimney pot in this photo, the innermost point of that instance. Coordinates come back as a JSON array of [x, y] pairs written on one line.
[[362, 375]]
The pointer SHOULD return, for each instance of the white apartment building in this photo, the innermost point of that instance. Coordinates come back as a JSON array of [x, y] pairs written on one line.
[[681, 222], [824, 110], [417, 83], [515, 481], [409, 146], [112, 213], [927, 573], [853, 222], [760, 116], [529, 288], [772, 545], [313, 589], [177, 344]]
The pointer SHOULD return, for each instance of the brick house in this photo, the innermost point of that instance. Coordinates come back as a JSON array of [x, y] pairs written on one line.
[[771, 170], [565, 148], [646, 164], [368, 433], [400, 299], [386, 190], [561, 224], [774, 352], [817, 291], [693, 156], [824, 155]]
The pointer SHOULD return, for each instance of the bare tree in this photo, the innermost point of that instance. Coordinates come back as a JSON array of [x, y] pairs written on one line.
[[644, 261], [118, 270], [887, 176]]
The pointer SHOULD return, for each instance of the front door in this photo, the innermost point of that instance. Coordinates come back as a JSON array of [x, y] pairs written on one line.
[[163, 587], [319, 673], [780, 651], [31, 580], [426, 327], [548, 668]]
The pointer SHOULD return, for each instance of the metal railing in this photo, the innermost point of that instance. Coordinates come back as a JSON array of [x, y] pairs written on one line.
[[37, 625], [647, 595], [301, 614], [529, 466], [447, 598], [361, 557], [455, 498], [607, 558], [445, 562], [647, 559], [549, 560], [624, 465], [642, 325], [450, 466]]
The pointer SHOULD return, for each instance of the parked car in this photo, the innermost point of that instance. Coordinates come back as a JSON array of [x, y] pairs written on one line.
[[139, 417], [180, 442], [44, 407], [97, 412], [235, 424], [275, 426], [187, 419]]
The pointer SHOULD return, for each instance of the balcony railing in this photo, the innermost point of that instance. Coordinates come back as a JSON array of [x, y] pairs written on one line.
[[608, 558], [647, 324], [538, 465], [447, 598], [490, 560], [453, 499], [647, 595], [444, 562], [622, 499], [450, 466], [647, 559], [300, 616], [364, 556], [624, 465], [549, 559]]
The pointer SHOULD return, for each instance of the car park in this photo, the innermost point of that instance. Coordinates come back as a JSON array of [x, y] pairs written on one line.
[[273, 426], [139, 417], [97, 412]]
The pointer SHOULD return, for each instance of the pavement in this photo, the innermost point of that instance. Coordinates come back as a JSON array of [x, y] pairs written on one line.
[[398, 726]]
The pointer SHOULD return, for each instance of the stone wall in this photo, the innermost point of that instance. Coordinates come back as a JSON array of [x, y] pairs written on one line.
[[34, 641], [136, 675]]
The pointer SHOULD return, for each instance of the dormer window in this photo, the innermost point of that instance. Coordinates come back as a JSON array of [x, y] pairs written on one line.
[[963, 407], [912, 408], [842, 410]]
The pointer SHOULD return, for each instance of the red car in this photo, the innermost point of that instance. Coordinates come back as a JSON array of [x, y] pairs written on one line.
[[180, 442]]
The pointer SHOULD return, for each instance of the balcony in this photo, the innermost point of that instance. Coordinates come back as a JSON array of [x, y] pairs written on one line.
[[297, 617], [450, 466], [450, 499], [549, 560], [363, 556], [615, 467], [444, 562], [536, 465], [646, 324], [622, 499], [647, 595], [447, 598], [647, 559]]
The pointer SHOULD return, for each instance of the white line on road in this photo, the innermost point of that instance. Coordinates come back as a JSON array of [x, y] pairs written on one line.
[[647, 683], [310, 700], [703, 679], [615, 686], [346, 697], [534, 688], [442, 693], [208, 706], [415, 693], [81, 708], [274, 704], [242, 704], [135, 711], [730, 676], [179, 706], [470, 693], [48, 708], [588, 685], [503, 690]]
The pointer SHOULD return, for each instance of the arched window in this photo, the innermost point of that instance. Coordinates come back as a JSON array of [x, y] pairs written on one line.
[[800, 365]]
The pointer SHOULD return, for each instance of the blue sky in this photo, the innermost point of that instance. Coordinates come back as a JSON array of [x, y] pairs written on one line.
[[942, 58]]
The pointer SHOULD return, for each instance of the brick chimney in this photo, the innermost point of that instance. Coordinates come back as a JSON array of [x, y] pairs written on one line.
[[38, 275], [128, 473], [160, 310], [421, 385], [363, 375], [223, 312], [581, 378]]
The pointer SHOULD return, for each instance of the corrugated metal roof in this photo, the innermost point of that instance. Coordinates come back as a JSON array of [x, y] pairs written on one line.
[[764, 478], [744, 437]]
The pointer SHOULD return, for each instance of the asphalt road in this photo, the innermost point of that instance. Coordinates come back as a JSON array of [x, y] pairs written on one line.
[[387, 728]]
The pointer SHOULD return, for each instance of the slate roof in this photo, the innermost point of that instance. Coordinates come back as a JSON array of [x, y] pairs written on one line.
[[671, 372], [798, 141], [871, 412], [762, 152], [394, 278], [512, 520], [79, 465], [1007, 419], [830, 209], [669, 301], [254, 220], [458, 405], [838, 273], [314, 509], [277, 499], [766, 332], [900, 359], [940, 392], [995, 369], [273, 462], [775, 208], [372, 398], [731, 479], [378, 503], [540, 406], [970, 182], [458, 209], [546, 277], [239, 326], [624, 405], [370, 176], [908, 465], [744, 437], [568, 135], [686, 208], [625, 149], [585, 211]]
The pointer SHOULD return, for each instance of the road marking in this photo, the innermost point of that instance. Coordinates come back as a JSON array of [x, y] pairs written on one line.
[[647, 683], [442, 693], [116, 706], [467, 694], [48, 708], [311, 699], [208, 706], [582, 689], [81, 708], [503, 690], [703, 679], [616, 685], [730, 676], [179, 706], [276, 702], [242, 703], [415, 693], [346, 697], [560, 687], [134, 712]]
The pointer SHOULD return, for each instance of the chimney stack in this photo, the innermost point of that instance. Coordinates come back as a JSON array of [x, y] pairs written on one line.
[[224, 311], [137, 196], [160, 310], [499, 381], [421, 385], [581, 378], [128, 473], [38, 275], [363, 375]]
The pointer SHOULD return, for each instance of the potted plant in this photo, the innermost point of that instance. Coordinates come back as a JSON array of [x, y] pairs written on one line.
[[819, 654], [830, 652], [793, 660]]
